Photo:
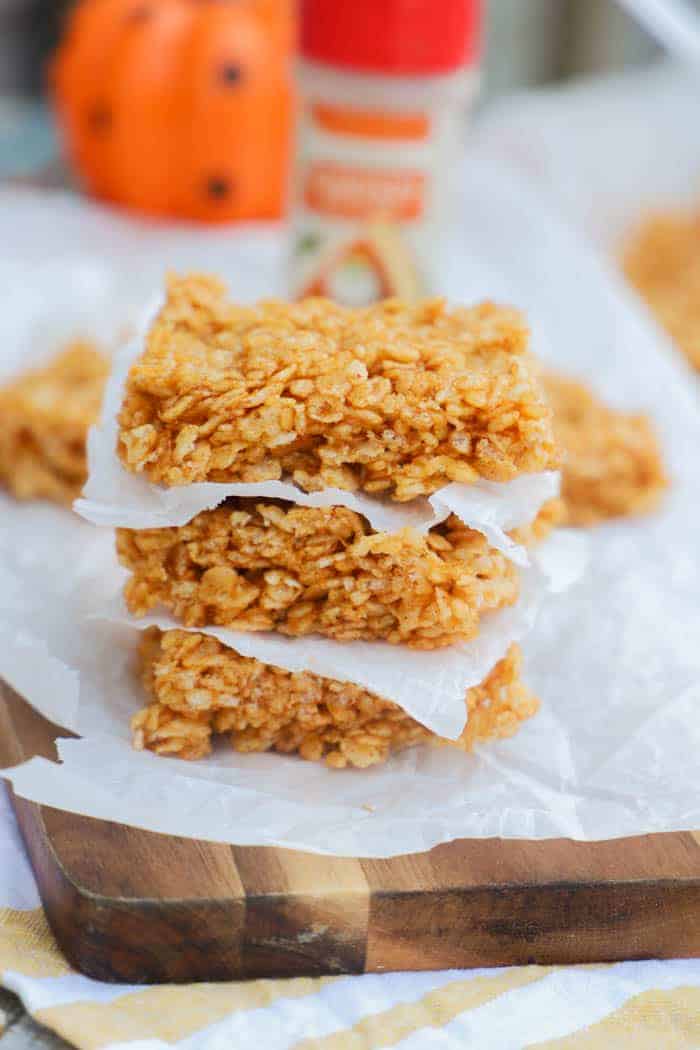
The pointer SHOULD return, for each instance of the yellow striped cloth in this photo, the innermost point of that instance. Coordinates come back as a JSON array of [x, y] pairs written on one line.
[[644, 1005]]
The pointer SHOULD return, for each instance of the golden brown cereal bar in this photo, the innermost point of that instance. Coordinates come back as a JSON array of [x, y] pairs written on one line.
[[255, 566], [200, 688], [612, 462], [44, 419], [394, 398], [662, 261]]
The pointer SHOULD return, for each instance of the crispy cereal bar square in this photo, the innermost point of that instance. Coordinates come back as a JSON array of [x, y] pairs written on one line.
[[398, 399], [259, 566], [612, 462], [44, 419], [662, 261], [200, 688]]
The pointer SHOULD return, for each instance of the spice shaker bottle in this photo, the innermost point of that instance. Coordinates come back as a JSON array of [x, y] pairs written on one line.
[[386, 86]]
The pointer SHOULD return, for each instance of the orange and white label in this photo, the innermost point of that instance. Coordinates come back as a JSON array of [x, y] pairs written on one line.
[[347, 192], [374, 186], [371, 124]]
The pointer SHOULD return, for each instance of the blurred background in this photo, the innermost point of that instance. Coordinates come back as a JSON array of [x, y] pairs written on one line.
[[530, 42]]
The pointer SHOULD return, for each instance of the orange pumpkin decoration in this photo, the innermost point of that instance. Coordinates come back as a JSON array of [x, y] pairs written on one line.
[[179, 107]]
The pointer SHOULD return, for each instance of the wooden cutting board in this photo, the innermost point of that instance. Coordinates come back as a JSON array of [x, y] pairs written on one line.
[[128, 905]]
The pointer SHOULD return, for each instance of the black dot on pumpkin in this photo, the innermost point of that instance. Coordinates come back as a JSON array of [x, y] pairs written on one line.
[[231, 74], [140, 14], [100, 118], [219, 187]]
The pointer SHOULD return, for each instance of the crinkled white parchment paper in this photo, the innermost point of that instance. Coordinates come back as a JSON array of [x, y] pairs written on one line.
[[114, 496], [615, 749], [428, 684]]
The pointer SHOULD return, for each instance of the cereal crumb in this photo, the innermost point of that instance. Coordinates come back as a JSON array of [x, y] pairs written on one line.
[[261, 708], [612, 461], [45, 415], [395, 398]]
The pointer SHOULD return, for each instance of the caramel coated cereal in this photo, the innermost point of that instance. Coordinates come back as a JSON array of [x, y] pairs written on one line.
[[255, 566], [44, 419], [394, 398], [612, 462], [200, 688], [662, 261]]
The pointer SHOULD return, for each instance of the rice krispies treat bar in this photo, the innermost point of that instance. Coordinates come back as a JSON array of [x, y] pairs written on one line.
[[44, 419], [200, 688], [258, 566], [612, 461], [662, 261], [394, 398]]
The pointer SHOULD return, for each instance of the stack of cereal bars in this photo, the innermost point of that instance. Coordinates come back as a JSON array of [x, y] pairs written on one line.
[[316, 425]]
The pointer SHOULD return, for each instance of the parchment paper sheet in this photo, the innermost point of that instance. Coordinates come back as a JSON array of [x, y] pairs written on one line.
[[616, 748]]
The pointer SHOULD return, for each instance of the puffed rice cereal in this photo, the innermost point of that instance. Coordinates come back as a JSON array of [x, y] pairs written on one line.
[[200, 689], [44, 419], [612, 461], [395, 398], [662, 261], [260, 566]]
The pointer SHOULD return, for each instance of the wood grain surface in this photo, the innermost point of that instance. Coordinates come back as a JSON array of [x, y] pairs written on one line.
[[129, 905]]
